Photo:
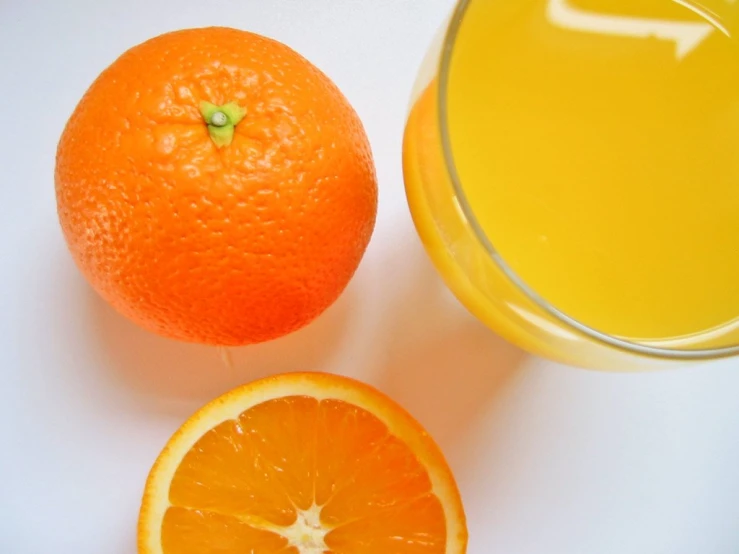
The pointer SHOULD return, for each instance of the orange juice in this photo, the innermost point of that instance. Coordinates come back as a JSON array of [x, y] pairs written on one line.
[[592, 158]]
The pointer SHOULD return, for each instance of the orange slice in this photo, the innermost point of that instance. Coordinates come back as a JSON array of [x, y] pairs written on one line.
[[303, 463]]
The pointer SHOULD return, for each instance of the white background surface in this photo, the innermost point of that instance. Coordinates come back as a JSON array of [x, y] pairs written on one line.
[[550, 459]]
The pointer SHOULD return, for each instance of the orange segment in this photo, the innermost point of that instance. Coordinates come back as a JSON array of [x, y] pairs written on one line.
[[302, 464], [416, 527], [195, 532]]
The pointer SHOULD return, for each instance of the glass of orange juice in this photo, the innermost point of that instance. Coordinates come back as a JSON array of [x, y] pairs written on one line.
[[572, 167]]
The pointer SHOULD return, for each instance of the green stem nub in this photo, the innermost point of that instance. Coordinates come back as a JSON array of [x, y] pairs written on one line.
[[221, 121]]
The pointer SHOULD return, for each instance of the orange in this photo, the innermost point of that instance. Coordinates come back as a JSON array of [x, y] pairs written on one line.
[[214, 186], [302, 463]]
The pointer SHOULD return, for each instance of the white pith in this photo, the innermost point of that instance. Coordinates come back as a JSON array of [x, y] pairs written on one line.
[[307, 534]]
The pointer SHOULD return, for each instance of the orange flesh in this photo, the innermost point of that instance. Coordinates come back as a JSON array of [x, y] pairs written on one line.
[[246, 476]]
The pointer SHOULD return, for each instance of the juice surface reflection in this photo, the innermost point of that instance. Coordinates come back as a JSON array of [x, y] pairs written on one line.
[[597, 143]]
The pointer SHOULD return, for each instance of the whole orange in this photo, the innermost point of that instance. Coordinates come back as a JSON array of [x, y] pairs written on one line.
[[216, 187]]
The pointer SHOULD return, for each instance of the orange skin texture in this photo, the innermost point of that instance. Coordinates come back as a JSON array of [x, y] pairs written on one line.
[[227, 246]]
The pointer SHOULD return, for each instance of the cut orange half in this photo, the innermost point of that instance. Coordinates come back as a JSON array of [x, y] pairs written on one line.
[[302, 463]]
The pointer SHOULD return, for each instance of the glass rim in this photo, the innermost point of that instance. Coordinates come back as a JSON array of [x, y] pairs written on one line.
[[443, 71]]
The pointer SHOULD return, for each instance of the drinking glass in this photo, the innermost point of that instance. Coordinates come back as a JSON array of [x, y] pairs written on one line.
[[634, 102]]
